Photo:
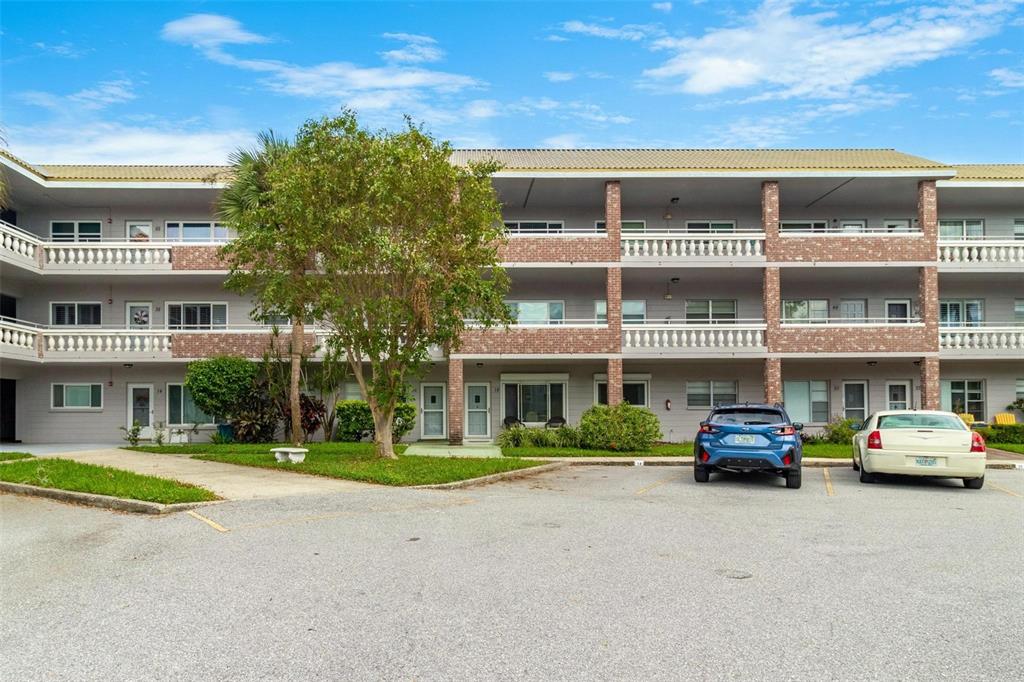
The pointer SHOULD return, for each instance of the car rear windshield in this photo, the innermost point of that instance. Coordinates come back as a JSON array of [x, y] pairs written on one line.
[[921, 421], [747, 416]]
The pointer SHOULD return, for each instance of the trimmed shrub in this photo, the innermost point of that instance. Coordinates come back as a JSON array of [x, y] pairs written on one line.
[[1007, 433], [256, 417], [312, 409], [355, 421], [220, 385], [840, 431], [622, 428]]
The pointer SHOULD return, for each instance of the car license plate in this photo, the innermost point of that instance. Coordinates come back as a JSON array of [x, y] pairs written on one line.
[[926, 461], [744, 440]]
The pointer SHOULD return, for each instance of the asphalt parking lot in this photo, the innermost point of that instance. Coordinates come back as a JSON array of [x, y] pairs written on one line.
[[581, 573]]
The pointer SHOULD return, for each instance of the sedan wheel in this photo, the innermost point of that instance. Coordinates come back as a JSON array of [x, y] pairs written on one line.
[[974, 483], [866, 477]]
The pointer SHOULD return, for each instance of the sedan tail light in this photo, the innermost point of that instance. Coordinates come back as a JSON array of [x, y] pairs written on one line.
[[977, 442], [874, 441], [785, 431]]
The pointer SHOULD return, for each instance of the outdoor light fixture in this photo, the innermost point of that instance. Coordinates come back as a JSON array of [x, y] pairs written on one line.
[[872, 363], [668, 403], [479, 364]]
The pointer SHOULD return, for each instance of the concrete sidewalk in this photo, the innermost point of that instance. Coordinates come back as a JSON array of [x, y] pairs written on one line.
[[230, 481]]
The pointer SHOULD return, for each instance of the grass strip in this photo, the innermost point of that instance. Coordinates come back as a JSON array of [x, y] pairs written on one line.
[[11, 456], [1009, 447], [65, 474], [346, 449]]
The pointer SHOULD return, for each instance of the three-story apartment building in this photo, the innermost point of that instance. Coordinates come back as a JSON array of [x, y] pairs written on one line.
[[836, 281]]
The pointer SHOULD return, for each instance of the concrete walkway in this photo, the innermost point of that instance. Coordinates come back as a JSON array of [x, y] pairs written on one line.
[[445, 450], [230, 481]]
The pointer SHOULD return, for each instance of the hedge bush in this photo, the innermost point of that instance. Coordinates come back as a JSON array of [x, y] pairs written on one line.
[[220, 385], [1007, 433], [355, 421], [623, 427], [840, 431], [539, 437]]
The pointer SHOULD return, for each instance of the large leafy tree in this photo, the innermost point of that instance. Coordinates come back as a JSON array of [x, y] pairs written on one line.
[[407, 249], [272, 256]]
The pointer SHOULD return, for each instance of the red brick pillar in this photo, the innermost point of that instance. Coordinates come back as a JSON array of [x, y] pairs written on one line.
[[770, 217], [928, 213], [614, 381], [773, 380], [771, 300], [928, 304], [613, 210], [930, 396], [456, 398], [613, 297]]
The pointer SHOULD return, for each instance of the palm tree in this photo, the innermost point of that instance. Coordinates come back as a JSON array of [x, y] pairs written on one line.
[[244, 205]]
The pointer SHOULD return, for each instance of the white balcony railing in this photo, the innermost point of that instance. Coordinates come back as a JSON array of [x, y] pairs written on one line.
[[852, 322], [982, 251], [74, 255], [17, 338], [575, 323], [674, 245], [994, 338], [18, 245], [106, 342], [735, 335]]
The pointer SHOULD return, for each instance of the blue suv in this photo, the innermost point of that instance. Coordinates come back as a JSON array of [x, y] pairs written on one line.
[[748, 438]]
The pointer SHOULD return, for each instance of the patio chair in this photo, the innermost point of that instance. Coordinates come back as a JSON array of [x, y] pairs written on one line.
[[967, 417], [511, 422], [1005, 419], [554, 423]]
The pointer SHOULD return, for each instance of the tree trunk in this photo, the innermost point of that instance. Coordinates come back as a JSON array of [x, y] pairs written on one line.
[[382, 419], [298, 334]]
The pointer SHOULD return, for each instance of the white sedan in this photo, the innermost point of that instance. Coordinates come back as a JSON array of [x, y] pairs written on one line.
[[919, 443]]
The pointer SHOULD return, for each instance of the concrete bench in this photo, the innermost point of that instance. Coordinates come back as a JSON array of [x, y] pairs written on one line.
[[293, 455]]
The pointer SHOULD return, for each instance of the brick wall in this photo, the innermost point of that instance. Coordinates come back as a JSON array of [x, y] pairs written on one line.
[[770, 208], [613, 211], [773, 380], [613, 297], [614, 381], [928, 303], [771, 298], [836, 248], [210, 344], [456, 398], [839, 339], [540, 340], [197, 258], [930, 392], [569, 249]]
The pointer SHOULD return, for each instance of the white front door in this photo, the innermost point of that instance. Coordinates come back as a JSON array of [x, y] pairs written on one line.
[[855, 400], [852, 309], [140, 408], [433, 411], [138, 314], [897, 395], [478, 411]]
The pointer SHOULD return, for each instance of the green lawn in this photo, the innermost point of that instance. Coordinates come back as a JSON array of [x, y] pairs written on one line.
[[364, 466], [661, 450], [10, 456], [829, 450], [1009, 447], [259, 448], [65, 474]]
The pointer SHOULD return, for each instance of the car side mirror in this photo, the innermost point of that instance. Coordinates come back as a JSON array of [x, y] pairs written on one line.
[[798, 426]]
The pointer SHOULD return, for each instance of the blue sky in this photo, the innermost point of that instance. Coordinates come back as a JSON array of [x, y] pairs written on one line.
[[177, 82]]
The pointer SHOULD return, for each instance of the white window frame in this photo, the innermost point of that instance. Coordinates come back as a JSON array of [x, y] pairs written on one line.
[[444, 410], [548, 320], [1018, 310], [626, 379], [180, 239], [963, 227], [128, 224], [77, 235], [1019, 389], [76, 304], [901, 225], [1018, 229], [962, 304], [602, 226], [810, 398], [867, 397], [816, 226], [65, 408], [984, 395], [597, 315], [710, 223], [808, 320], [535, 379], [623, 311], [167, 406], [899, 301], [910, 394], [710, 301], [858, 225], [184, 328], [555, 227], [711, 392], [128, 305]]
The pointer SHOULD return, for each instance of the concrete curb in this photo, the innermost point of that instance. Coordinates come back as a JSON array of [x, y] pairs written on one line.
[[493, 478], [809, 463], [101, 501]]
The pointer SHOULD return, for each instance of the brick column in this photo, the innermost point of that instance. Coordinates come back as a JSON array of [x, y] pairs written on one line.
[[613, 296], [770, 217], [614, 381], [773, 380], [928, 213], [771, 300], [456, 398], [928, 304], [930, 395], [613, 209]]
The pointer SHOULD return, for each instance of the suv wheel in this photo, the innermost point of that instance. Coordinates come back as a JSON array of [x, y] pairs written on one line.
[[701, 475], [793, 479], [974, 483]]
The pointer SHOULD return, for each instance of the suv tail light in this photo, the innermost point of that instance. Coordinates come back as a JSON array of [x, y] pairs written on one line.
[[704, 456], [785, 431], [977, 442], [708, 428], [787, 458], [874, 441]]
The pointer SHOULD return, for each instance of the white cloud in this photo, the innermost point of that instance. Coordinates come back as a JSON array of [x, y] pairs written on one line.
[[564, 141], [64, 49], [483, 108], [555, 38], [209, 31], [119, 143], [100, 96], [780, 54], [626, 32], [559, 76], [1008, 78], [662, 7], [417, 49]]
